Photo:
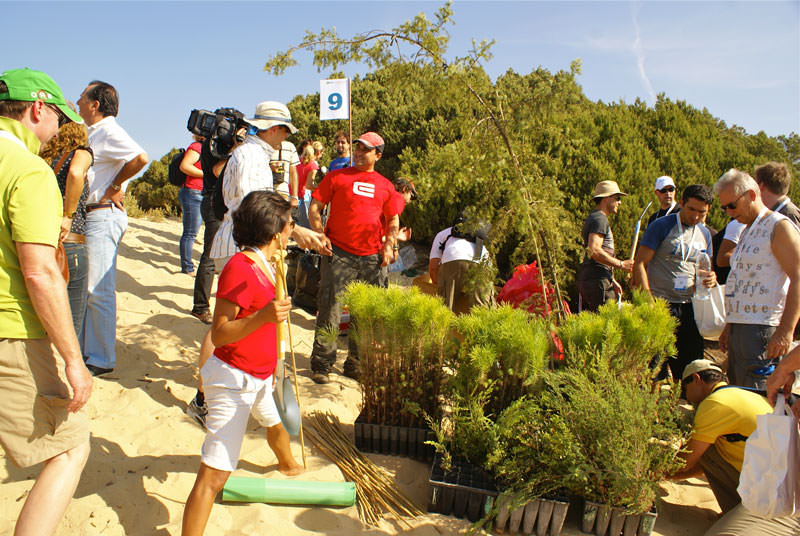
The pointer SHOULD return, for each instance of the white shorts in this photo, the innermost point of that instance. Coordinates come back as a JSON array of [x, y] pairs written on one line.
[[220, 263], [231, 395]]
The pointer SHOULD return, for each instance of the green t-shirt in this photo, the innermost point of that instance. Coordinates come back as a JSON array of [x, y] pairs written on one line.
[[30, 211], [728, 411]]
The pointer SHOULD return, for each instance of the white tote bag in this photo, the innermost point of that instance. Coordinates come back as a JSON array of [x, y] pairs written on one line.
[[709, 313], [769, 484]]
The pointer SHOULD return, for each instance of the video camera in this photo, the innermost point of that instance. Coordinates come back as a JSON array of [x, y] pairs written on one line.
[[219, 128]]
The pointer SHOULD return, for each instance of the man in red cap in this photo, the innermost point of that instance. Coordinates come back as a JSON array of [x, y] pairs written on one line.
[[358, 197]]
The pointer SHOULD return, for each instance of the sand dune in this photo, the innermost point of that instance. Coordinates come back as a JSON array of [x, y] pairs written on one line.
[[145, 451]]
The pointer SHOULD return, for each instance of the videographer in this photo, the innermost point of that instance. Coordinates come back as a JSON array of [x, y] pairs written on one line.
[[212, 166], [248, 169]]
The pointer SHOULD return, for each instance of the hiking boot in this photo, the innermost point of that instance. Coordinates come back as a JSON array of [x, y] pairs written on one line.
[[321, 378], [197, 412], [205, 317], [350, 369]]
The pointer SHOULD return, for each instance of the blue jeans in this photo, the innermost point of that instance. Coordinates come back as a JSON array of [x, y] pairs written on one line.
[[302, 214], [77, 288], [190, 205], [104, 230]]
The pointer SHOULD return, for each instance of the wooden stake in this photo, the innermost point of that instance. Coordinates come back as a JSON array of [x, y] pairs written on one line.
[[282, 269]]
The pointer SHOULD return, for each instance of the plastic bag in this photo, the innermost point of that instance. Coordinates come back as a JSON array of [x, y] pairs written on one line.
[[709, 312], [769, 484], [524, 291]]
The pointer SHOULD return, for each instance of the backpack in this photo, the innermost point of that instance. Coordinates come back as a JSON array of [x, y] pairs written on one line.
[[174, 174], [478, 236], [217, 199]]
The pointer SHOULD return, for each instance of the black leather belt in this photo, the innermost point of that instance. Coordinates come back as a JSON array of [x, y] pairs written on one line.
[[98, 206]]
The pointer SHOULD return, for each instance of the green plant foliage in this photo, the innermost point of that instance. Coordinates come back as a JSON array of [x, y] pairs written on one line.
[[501, 347], [602, 437], [403, 338], [500, 353], [153, 191], [631, 340]]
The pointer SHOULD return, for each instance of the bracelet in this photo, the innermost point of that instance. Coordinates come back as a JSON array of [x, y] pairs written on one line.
[[294, 197], [116, 187], [619, 263]]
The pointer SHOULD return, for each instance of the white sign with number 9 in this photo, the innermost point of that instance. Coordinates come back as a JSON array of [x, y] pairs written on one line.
[[334, 98]]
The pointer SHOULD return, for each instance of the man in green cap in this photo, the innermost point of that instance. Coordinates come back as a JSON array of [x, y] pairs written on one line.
[[40, 420]]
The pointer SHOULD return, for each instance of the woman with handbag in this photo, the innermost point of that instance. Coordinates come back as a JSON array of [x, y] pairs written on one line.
[[71, 157]]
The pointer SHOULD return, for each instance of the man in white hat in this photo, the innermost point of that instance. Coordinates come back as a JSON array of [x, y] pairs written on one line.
[[596, 282], [724, 419], [249, 169], [664, 189]]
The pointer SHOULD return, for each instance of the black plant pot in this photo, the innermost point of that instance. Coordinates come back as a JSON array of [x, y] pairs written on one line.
[[466, 491], [603, 520], [393, 440]]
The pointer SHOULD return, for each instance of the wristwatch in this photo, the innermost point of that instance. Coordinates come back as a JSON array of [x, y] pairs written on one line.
[[116, 187]]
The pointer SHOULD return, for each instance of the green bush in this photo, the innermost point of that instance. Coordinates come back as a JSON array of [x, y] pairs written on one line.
[[631, 340], [501, 351], [153, 190], [402, 336]]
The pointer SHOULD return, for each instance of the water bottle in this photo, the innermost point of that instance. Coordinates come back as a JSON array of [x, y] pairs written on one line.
[[702, 270]]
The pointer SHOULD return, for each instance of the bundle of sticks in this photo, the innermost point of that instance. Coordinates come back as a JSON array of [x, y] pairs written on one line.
[[376, 491]]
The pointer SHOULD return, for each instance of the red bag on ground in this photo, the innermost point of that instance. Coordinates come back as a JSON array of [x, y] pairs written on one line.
[[524, 291]]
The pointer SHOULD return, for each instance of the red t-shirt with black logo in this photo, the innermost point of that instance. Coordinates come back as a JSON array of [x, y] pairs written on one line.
[[245, 284], [358, 199]]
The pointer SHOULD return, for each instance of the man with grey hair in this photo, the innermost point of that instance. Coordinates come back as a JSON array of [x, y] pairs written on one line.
[[762, 294]]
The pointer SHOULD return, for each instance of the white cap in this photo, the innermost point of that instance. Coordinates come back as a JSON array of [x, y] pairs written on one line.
[[663, 181]]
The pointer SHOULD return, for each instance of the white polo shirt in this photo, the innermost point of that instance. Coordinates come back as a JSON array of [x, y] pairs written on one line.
[[113, 148]]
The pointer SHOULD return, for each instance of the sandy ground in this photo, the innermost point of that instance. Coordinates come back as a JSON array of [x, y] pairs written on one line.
[[145, 451]]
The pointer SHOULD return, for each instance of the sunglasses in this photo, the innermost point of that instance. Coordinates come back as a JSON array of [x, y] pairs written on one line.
[[62, 117], [732, 205], [666, 189]]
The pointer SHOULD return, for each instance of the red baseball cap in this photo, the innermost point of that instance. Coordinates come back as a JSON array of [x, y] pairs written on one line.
[[371, 140]]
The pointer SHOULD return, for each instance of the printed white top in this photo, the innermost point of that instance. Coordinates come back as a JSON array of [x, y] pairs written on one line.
[[755, 292]]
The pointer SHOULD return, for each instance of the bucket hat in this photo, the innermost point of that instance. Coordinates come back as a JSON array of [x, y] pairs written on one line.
[[271, 113], [606, 189]]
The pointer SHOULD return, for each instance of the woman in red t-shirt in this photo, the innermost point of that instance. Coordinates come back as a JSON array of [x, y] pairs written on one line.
[[237, 379], [190, 197]]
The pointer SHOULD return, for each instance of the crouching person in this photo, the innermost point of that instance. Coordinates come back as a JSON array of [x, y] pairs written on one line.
[[725, 418], [238, 378]]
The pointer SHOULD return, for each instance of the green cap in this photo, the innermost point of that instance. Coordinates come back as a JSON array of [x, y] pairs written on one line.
[[29, 85]]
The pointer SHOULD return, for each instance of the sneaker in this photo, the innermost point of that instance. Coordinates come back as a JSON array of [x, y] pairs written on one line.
[[321, 377], [350, 369], [197, 412]]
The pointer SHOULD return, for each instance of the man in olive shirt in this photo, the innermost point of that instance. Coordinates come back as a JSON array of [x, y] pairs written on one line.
[[596, 282]]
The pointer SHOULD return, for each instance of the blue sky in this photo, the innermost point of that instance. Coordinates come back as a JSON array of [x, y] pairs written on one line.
[[740, 60]]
